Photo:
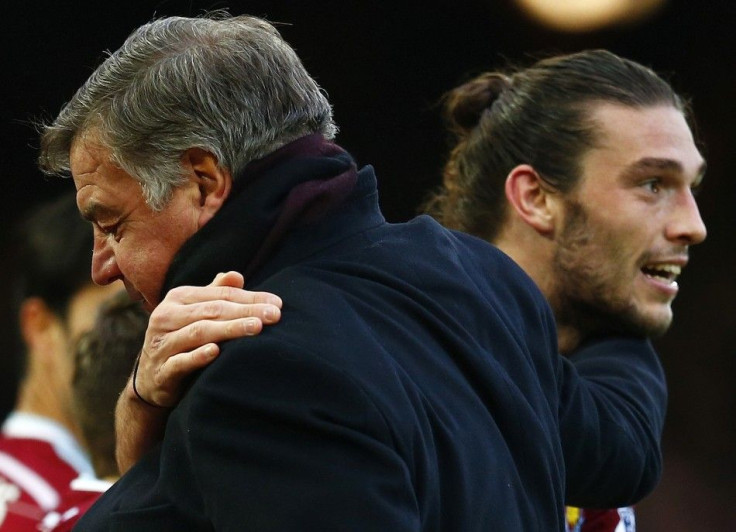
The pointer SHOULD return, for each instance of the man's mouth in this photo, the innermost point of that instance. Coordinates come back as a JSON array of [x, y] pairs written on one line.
[[135, 295], [666, 273]]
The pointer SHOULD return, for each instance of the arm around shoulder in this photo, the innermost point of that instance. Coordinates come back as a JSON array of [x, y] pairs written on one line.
[[614, 400]]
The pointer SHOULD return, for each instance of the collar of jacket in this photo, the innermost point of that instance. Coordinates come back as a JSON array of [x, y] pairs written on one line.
[[291, 189]]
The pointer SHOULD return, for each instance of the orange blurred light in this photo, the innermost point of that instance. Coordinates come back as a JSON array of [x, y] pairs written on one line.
[[587, 15]]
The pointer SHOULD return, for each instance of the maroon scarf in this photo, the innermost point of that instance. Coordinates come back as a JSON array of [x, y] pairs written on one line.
[[295, 185]]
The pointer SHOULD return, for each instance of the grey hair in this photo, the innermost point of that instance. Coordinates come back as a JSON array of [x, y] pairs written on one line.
[[228, 85]]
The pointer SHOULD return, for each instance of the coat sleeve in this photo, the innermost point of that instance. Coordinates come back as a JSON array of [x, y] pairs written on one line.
[[279, 439], [612, 410]]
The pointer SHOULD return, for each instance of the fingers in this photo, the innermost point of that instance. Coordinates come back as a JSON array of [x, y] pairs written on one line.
[[167, 381], [162, 385], [185, 327], [223, 299], [222, 310], [187, 295], [181, 365], [202, 332], [172, 317], [234, 279]]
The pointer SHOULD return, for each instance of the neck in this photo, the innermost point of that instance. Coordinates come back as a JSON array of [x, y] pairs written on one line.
[[535, 255], [36, 396]]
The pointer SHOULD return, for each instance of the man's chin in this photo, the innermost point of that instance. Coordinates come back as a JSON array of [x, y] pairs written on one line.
[[650, 325], [592, 320], [135, 295], [658, 327]]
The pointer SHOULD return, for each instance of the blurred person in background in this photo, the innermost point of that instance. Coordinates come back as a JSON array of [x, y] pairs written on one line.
[[40, 450], [103, 361]]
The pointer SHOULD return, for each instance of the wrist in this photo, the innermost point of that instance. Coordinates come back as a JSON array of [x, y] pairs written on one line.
[[133, 393]]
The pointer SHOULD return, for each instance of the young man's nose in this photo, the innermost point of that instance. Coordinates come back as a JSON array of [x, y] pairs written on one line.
[[686, 225]]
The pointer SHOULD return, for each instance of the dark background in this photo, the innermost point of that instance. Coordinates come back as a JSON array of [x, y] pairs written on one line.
[[385, 65]]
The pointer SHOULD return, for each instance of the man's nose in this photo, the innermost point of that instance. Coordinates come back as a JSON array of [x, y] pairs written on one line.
[[686, 226], [105, 268]]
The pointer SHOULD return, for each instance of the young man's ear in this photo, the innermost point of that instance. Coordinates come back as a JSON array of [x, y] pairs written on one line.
[[213, 182], [531, 198], [36, 324]]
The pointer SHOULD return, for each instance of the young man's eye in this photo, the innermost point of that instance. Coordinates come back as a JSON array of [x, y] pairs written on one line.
[[653, 185]]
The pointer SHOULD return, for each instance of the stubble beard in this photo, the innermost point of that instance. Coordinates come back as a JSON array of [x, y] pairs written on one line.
[[593, 293]]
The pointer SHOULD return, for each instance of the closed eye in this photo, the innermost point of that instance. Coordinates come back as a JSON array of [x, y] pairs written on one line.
[[110, 230]]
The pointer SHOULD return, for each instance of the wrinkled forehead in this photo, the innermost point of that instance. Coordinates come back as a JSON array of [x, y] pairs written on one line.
[[86, 153], [103, 188]]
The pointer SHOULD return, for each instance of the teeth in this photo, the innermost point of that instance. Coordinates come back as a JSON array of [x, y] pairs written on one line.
[[663, 272], [665, 268]]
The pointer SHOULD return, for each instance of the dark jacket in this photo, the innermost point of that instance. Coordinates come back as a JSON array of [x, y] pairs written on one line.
[[413, 382]]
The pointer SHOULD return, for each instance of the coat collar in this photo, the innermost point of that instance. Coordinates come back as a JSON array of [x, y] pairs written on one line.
[[300, 186]]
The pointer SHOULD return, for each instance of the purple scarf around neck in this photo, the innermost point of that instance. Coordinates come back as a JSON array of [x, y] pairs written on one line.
[[295, 185]]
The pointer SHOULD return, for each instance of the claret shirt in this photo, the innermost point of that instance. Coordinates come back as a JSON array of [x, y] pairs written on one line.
[[38, 460]]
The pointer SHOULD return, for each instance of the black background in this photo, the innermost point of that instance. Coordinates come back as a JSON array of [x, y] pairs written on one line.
[[385, 65]]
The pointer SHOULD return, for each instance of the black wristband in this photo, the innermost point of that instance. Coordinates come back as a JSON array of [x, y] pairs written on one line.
[[135, 374]]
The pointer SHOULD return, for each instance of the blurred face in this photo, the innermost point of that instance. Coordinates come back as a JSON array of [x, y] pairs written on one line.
[[133, 243], [628, 224], [82, 310], [80, 316]]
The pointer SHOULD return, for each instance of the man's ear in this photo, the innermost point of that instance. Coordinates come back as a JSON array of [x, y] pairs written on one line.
[[36, 322], [213, 181], [532, 199]]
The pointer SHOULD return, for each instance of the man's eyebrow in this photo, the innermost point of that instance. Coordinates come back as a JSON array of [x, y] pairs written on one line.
[[654, 163], [662, 165], [95, 211]]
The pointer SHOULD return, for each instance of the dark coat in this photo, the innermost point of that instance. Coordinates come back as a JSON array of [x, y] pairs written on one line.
[[413, 383]]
